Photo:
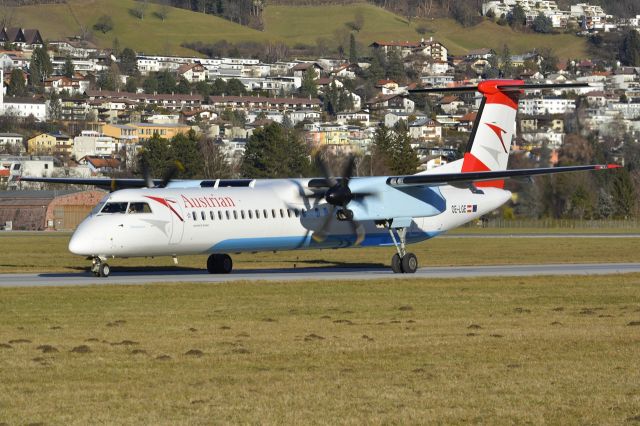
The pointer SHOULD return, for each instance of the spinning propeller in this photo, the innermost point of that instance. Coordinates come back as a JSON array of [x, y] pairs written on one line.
[[339, 195]]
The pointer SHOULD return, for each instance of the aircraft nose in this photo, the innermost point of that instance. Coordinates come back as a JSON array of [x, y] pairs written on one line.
[[80, 243]]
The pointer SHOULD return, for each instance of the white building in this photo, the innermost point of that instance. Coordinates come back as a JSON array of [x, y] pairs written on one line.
[[93, 143], [13, 140], [24, 107], [541, 106]]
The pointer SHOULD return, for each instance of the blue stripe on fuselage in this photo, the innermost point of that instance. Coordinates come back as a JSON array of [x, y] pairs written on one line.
[[307, 242]]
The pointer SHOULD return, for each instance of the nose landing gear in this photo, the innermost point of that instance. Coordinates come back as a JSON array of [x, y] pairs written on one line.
[[99, 268]]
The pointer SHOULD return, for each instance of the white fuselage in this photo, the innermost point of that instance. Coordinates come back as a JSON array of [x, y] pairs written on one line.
[[266, 215]]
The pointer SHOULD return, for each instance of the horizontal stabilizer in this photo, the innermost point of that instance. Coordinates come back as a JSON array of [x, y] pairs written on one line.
[[471, 177]]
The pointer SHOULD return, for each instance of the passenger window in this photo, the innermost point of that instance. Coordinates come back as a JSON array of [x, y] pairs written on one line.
[[273, 213], [211, 214], [235, 215], [203, 215], [266, 215], [110, 208], [317, 212], [139, 208], [228, 215], [296, 212], [242, 214], [194, 216], [219, 215], [281, 213], [257, 214], [289, 212]]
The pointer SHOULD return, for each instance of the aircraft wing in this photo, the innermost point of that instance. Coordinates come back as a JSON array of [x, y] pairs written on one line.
[[107, 183], [470, 177]]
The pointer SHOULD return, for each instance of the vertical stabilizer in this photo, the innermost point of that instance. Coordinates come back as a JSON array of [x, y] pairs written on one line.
[[493, 129]]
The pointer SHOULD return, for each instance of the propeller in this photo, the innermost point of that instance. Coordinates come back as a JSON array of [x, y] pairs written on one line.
[[339, 195], [171, 173]]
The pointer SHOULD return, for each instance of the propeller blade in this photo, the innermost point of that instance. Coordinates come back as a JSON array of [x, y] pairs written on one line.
[[146, 174], [349, 169], [171, 173], [321, 234], [358, 229], [324, 168]]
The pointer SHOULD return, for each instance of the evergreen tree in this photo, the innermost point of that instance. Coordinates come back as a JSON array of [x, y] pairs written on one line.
[[166, 82], [542, 24], [184, 148], [624, 195], [68, 68], [235, 87], [150, 85], [155, 156], [404, 158], [630, 49], [275, 152], [506, 63], [128, 62], [376, 69], [381, 161], [517, 17], [353, 49], [131, 85], [54, 108], [17, 84], [183, 87], [395, 67], [309, 85], [105, 80], [40, 66]]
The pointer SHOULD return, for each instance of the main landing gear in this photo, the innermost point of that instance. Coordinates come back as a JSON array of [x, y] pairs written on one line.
[[402, 262], [219, 264], [100, 268]]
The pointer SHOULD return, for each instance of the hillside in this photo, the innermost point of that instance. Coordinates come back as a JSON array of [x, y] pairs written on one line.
[[293, 25]]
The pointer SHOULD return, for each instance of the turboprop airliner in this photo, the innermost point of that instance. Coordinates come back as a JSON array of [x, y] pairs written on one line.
[[216, 217]]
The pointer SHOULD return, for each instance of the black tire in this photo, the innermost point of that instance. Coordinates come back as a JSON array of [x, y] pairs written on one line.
[[396, 264], [219, 264], [105, 270], [211, 264], [226, 264], [409, 263]]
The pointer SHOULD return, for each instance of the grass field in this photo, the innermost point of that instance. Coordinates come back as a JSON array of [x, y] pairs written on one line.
[[37, 252], [555, 350], [289, 24]]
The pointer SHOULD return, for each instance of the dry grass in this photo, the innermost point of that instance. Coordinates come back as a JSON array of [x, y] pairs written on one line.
[[37, 252], [526, 350]]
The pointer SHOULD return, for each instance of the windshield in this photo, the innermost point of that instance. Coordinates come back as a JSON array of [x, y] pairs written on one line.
[[114, 208]]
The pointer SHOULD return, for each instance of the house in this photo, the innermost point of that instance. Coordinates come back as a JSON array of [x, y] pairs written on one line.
[[300, 69], [13, 141], [25, 39], [193, 73], [25, 107], [307, 115], [484, 53], [344, 71], [56, 143], [73, 86], [392, 102], [93, 143], [429, 48], [100, 164], [424, 129], [261, 102], [450, 104], [359, 116], [391, 118], [75, 48]]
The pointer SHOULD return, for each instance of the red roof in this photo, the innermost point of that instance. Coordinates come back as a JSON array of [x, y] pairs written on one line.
[[4, 172], [469, 117]]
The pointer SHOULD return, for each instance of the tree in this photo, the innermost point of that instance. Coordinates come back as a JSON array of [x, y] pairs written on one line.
[[163, 11], [275, 152], [105, 80], [353, 49], [158, 155], [104, 24], [376, 70], [549, 62], [630, 49], [404, 158], [17, 85], [132, 85], [392, 152], [624, 195], [68, 68], [358, 21], [166, 82], [395, 67], [128, 62], [235, 87], [309, 85], [54, 108], [40, 66], [542, 24], [517, 17], [214, 161], [150, 85], [184, 148], [506, 65], [139, 9]]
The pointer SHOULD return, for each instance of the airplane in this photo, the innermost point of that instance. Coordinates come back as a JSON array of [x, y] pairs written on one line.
[[184, 217]]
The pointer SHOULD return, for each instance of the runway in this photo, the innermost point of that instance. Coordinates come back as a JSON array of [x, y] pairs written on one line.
[[309, 274]]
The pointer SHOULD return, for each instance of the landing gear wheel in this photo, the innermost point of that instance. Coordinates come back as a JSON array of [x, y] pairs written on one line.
[[104, 270], [219, 264], [409, 263], [396, 264]]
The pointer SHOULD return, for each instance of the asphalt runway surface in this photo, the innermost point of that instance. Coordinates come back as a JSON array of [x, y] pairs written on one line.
[[309, 274]]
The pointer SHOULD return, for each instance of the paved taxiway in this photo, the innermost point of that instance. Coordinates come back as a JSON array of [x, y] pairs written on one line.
[[306, 274]]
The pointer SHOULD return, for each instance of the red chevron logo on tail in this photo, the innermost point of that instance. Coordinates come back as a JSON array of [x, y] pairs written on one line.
[[499, 132]]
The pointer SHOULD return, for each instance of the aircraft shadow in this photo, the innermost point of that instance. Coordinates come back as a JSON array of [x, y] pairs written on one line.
[[324, 266]]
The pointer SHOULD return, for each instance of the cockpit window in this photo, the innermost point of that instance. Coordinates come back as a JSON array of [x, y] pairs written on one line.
[[139, 208], [114, 208]]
